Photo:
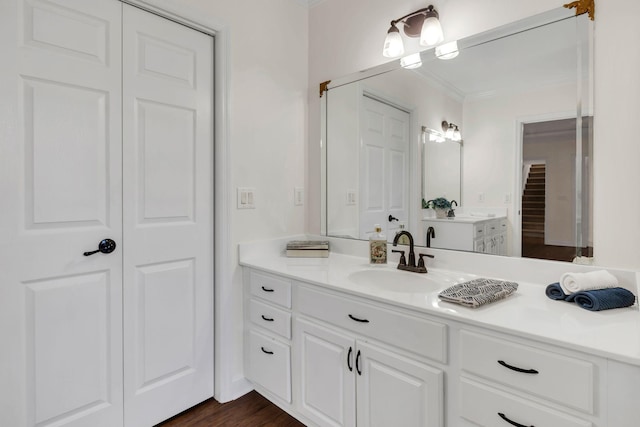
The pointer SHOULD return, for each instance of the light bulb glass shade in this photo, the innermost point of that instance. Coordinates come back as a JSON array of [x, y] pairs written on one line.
[[431, 32], [447, 50], [457, 136], [393, 46], [411, 61], [449, 133]]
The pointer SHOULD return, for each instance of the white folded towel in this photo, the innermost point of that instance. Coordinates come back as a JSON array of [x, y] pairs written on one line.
[[575, 282]]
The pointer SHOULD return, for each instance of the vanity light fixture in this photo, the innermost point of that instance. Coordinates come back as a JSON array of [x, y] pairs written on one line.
[[411, 61], [423, 23], [447, 50], [451, 131]]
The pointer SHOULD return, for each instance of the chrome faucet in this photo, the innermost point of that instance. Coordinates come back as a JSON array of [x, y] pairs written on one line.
[[431, 234], [411, 265]]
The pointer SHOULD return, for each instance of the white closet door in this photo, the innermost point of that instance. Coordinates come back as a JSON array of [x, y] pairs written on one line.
[[60, 187], [168, 217]]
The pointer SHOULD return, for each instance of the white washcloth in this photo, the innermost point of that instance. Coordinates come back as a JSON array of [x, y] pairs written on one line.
[[599, 279]]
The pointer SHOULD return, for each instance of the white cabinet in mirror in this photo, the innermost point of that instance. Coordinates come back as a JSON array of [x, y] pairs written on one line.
[[512, 92]]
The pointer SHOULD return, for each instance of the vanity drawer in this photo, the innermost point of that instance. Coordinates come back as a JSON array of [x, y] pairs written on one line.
[[483, 405], [478, 230], [271, 318], [271, 288], [564, 380], [420, 336], [492, 228], [269, 364]]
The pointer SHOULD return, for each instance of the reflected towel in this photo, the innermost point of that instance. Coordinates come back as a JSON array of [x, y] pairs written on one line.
[[554, 291], [477, 292], [603, 299], [575, 282]]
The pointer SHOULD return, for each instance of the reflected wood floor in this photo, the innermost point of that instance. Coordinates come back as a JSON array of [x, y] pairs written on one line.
[[249, 410]]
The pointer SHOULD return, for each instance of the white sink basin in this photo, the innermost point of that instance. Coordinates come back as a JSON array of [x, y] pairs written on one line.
[[395, 281]]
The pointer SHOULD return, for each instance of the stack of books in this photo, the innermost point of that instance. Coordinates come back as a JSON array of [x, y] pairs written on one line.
[[308, 249]]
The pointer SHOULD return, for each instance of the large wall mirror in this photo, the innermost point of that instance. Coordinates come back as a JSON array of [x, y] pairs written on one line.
[[518, 166]]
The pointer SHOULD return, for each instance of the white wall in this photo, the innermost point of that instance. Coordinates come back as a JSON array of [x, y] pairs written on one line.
[[343, 113], [490, 131], [267, 72], [340, 45]]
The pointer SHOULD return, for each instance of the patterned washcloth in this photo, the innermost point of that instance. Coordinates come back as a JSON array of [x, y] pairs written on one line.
[[603, 299], [477, 292]]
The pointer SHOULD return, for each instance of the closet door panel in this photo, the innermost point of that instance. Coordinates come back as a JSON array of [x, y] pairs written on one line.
[[168, 217], [61, 182]]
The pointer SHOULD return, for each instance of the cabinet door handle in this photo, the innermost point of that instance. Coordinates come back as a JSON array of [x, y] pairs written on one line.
[[266, 351], [513, 423], [358, 363], [515, 368], [268, 319], [349, 365], [357, 319], [266, 289]]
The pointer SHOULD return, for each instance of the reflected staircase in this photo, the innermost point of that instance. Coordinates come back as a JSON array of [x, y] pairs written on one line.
[[533, 205]]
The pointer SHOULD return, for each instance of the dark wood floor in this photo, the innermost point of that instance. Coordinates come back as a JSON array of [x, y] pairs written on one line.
[[249, 410]]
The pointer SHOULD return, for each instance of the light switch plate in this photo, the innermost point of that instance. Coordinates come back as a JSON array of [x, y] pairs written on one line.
[[351, 197], [298, 196], [246, 198]]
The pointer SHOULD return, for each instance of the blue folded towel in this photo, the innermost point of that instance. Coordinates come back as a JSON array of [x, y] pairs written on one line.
[[603, 299], [594, 300], [554, 291]]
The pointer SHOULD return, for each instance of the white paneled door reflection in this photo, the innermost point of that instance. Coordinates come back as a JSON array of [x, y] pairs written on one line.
[[384, 167], [97, 142]]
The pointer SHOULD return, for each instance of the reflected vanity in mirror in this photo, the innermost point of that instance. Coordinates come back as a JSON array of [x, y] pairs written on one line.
[[519, 169]]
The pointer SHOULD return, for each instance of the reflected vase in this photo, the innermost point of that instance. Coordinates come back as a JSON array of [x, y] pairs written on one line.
[[441, 212]]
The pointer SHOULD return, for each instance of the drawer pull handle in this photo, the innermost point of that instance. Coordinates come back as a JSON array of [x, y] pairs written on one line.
[[357, 319], [266, 351], [513, 423], [268, 319], [349, 365], [515, 368], [358, 363], [267, 289]]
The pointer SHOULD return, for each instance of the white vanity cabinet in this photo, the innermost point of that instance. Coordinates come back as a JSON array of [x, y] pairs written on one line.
[[485, 235], [348, 374], [331, 357], [267, 361]]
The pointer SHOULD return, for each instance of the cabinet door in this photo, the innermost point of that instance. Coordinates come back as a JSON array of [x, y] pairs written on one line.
[[327, 383], [394, 390]]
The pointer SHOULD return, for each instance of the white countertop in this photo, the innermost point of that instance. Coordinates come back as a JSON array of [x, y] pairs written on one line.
[[464, 219], [614, 334]]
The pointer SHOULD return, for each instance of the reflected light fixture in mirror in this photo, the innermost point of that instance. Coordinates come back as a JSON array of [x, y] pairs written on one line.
[[411, 61], [423, 23], [447, 50], [432, 135]]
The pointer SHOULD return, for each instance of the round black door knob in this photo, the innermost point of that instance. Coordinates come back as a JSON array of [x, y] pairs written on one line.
[[105, 246]]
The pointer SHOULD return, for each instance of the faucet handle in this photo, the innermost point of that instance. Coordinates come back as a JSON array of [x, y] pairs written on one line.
[[421, 260], [403, 260]]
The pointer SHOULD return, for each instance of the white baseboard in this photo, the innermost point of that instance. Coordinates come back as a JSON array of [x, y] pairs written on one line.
[[238, 388]]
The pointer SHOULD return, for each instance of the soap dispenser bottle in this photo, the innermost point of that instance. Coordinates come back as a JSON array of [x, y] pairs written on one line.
[[377, 246]]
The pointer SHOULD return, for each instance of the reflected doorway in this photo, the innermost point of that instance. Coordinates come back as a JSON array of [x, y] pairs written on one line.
[[556, 190]]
